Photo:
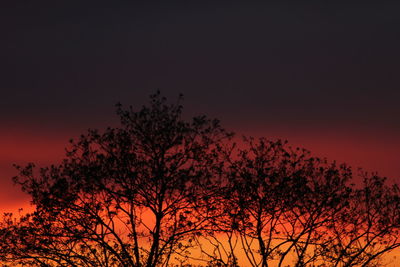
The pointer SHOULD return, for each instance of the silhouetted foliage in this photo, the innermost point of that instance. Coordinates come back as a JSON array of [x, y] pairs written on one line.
[[121, 198], [282, 206], [162, 191]]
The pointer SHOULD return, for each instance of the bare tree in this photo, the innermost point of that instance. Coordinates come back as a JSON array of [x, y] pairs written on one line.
[[281, 206], [163, 191], [368, 228], [124, 197]]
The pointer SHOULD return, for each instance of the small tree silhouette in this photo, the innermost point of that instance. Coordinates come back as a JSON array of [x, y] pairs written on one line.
[[159, 191], [280, 206], [276, 202]]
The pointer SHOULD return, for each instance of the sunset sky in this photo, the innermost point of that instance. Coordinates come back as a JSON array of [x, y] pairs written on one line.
[[324, 76]]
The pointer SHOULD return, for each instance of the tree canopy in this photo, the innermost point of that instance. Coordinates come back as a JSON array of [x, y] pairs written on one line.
[[160, 190]]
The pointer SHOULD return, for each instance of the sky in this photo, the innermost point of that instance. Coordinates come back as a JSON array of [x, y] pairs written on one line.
[[324, 76]]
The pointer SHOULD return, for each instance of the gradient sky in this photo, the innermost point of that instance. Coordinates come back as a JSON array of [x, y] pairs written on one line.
[[324, 76]]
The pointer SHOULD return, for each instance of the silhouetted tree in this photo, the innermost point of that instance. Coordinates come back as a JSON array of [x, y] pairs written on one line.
[[124, 197], [367, 228], [161, 191], [281, 206]]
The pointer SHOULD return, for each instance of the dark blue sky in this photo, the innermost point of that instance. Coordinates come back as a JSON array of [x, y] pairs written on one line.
[[273, 61], [323, 75]]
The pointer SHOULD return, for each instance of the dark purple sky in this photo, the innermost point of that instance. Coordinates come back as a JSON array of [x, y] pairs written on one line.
[[325, 76]]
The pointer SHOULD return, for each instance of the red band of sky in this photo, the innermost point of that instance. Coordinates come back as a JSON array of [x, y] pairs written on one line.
[[370, 152]]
